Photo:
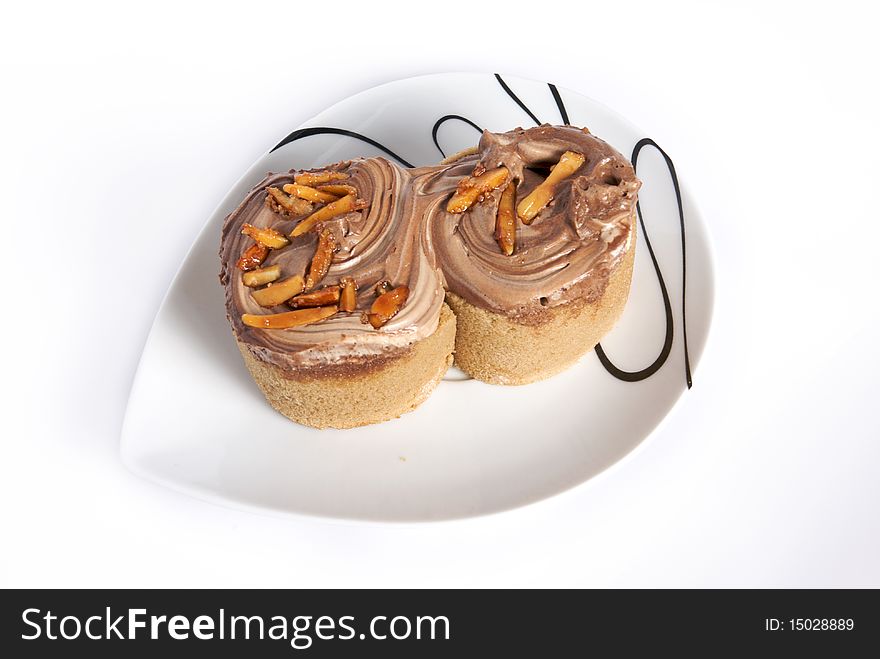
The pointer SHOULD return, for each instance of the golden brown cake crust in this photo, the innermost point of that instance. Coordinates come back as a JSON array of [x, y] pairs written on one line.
[[379, 393], [493, 348]]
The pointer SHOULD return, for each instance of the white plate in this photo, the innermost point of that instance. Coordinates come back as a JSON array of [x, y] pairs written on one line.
[[196, 421]]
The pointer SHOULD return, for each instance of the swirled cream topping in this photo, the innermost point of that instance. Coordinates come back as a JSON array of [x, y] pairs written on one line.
[[566, 253], [380, 243], [406, 236]]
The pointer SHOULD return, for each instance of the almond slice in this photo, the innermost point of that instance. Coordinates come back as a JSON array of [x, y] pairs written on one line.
[[267, 237], [261, 276], [338, 189], [315, 178], [320, 298], [287, 319], [458, 155], [309, 194], [322, 259], [505, 221], [348, 294], [278, 292], [286, 205], [472, 188], [386, 306], [345, 205], [538, 198], [253, 257]]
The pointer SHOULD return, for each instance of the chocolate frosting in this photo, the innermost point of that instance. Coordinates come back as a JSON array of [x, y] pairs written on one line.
[[407, 237]]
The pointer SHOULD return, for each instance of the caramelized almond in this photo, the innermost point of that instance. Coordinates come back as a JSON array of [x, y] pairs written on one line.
[[253, 257], [309, 194], [267, 237], [320, 298], [347, 204], [473, 188], [348, 294], [286, 205], [338, 189], [538, 198], [322, 259], [458, 155], [505, 220], [261, 276], [386, 306], [287, 319], [278, 292]]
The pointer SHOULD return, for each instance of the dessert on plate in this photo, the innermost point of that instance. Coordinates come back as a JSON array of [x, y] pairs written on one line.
[[350, 288]]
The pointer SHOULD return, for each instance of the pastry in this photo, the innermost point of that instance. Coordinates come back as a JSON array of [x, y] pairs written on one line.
[[349, 288], [325, 357], [531, 314]]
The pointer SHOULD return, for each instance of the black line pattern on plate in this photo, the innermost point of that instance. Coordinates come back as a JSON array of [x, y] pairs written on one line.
[[325, 130], [645, 373], [443, 120], [556, 97], [635, 376], [516, 99], [647, 141]]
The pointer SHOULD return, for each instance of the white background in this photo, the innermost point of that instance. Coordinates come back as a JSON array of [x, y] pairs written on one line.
[[122, 129]]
